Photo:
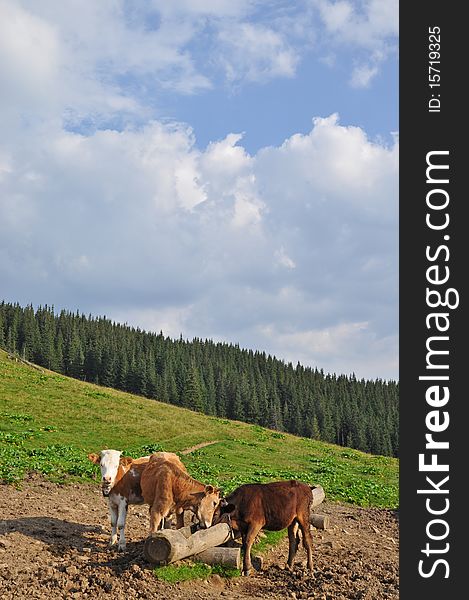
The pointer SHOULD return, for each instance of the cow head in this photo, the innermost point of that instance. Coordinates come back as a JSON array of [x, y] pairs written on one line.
[[209, 501], [222, 512], [109, 461]]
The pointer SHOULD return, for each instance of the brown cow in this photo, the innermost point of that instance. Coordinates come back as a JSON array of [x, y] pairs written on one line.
[[120, 484], [272, 506], [168, 489]]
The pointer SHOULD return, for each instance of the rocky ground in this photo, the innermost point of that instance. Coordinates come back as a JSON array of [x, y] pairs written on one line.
[[53, 544]]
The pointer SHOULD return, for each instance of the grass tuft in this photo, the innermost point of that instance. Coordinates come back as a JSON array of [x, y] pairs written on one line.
[[188, 572]]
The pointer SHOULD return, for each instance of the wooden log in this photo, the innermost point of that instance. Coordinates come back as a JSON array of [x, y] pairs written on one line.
[[229, 557], [169, 545], [318, 495], [319, 521], [188, 530]]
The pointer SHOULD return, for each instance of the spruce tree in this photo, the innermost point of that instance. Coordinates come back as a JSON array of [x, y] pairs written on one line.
[[192, 395]]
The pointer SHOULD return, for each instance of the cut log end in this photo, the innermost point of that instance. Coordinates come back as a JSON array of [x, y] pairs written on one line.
[[318, 495], [156, 550], [319, 521]]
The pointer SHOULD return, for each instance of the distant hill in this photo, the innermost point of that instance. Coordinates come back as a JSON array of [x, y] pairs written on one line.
[[49, 422], [216, 379]]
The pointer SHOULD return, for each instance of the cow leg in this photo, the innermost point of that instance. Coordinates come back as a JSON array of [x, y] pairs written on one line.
[[293, 542], [122, 516], [248, 540], [156, 517], [180, 519], [113, 515], [307, 540]]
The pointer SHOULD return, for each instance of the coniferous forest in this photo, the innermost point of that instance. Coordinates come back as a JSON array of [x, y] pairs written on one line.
[[214, 378]]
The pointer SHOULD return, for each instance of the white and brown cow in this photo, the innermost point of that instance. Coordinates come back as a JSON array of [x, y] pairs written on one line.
[[120, 484]]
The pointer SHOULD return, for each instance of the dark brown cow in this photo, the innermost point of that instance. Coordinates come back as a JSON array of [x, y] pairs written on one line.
[[272, 506], [168, 490]]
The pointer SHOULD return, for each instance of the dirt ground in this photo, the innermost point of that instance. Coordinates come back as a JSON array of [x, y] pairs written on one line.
[[53, 544]]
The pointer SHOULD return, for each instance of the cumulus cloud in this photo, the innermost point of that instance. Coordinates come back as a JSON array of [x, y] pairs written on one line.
[[362, 23], [107, 208], [363, 75], [122, 56], [117, 64], [255, 53], [371, 26], [294, 246]]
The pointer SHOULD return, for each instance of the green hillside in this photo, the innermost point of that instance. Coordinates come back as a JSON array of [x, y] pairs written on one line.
[[217, 379], [49, 422]]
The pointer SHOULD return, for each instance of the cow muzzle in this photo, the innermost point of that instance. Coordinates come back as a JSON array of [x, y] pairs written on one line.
[[106, 488]]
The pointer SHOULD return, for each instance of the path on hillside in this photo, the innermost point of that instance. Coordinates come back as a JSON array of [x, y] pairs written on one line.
[[53, 544], [198, 447]]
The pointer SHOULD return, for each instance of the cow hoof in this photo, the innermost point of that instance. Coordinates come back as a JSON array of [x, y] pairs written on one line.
[[246, 573], [121, 548]]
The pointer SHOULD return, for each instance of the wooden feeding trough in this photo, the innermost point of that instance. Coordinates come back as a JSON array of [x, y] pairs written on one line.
[[169, 545], [212, 545]]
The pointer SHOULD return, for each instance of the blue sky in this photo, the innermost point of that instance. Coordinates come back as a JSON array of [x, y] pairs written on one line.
[[269, 113], [213, 168]]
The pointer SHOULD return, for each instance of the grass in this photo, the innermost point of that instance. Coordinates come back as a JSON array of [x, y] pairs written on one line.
[[187, 572], [49, 423]]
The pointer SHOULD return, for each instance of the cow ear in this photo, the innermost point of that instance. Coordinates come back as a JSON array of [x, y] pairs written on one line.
[[126, 460], [95, 458], [209, 489]]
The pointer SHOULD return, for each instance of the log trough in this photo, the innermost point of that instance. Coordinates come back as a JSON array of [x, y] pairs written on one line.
[[168, 545], [213, 545]]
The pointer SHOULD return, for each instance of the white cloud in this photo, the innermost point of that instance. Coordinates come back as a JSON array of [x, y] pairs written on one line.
[[255, 53], [332, 164], [336, 15], [367, 23], [283, 259], [289, 249], [29, 65], [98, 61], [170, 320], [112, 62], [372, 26], [336, 346], [363, 75]]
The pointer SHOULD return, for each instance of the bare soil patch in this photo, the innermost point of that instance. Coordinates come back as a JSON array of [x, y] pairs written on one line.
[[53, 544]]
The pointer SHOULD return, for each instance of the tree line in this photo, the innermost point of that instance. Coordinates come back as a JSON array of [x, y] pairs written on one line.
[[213, 378]]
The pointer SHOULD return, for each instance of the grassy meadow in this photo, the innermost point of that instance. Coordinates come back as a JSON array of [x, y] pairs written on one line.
[[49, 423]]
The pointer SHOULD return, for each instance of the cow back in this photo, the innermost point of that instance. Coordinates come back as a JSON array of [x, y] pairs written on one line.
[[272, 505], [163, 477]]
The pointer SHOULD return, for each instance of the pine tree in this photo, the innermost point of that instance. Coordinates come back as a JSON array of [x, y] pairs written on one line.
[[192, 395], [2, 332]]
